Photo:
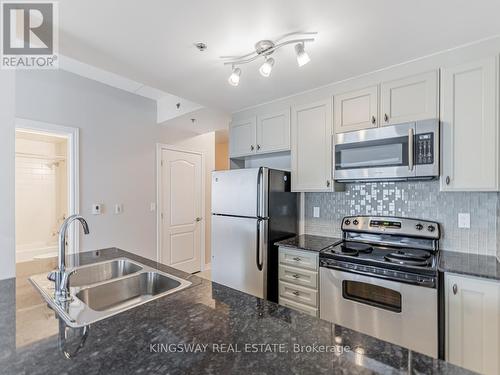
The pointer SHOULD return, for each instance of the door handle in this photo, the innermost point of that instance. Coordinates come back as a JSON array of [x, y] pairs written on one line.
[[455, 289], [386, 118], [410, 149], [374, 120], [258, 259], [198, 219]]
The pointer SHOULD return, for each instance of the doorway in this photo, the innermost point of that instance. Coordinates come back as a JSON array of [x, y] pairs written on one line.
[[45, 187], [181, 204]]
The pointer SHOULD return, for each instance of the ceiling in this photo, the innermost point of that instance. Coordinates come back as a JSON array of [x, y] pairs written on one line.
[[152, 41]]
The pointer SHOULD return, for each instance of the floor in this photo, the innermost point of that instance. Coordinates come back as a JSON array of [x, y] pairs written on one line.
[[29, 304]]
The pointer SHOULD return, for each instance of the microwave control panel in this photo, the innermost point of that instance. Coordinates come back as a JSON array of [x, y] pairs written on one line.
[[424, 148]]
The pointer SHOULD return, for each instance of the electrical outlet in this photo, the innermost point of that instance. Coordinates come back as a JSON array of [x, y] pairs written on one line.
[[464, 220], [315, 211]]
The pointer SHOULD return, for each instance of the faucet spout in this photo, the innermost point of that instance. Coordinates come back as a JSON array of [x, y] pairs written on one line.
[[60, 276]]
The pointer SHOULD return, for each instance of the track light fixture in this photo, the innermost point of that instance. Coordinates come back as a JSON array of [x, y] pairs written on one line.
[[267, 67], [265, 48], [302, 56], [234, 78]]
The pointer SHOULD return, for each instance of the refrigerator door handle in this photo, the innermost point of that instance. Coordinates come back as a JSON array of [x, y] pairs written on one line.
[[259, 191], [258, 258]]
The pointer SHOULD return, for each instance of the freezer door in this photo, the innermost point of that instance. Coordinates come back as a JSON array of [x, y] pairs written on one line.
[[239, 253], [236, 192]]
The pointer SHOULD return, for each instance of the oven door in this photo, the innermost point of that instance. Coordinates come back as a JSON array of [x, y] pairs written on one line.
[[381, 153], [406, 315]]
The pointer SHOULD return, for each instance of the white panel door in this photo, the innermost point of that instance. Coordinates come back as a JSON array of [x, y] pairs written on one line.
[[181, 210], [409, 99], [356, 110], [473, 323], [273, 132], [243, 137], [469, 127], [311, 151]]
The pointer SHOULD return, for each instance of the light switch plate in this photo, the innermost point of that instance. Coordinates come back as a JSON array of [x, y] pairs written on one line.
[[464, 220], [118, 209], [315, 211]]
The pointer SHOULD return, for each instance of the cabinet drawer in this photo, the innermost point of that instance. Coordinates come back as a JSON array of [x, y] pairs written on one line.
[[299, 294], [299, 307], [301, 259], [298, 276]]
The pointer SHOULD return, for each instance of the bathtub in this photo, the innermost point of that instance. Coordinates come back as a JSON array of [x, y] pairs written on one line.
[[27, 253]]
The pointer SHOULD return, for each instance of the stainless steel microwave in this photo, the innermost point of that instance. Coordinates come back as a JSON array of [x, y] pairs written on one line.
[[389, 153]]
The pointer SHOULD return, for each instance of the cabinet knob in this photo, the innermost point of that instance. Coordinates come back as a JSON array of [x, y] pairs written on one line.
[[448, 180], [455, 289], [258, 147], [252, 148], [386, 117], [374, 120], [327, 183]]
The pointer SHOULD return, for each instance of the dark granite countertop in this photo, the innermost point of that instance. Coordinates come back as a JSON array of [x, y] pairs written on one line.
[[143, 340], [309, 242], [484, 266]]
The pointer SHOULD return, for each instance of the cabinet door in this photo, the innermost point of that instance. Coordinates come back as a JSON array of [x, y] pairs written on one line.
[[469, 127], [243, 137], [356, 110], [472, 323], [273, 132], [311, 150], [409, 99]]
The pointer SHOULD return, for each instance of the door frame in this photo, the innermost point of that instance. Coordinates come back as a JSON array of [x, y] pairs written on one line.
[[73, 136], [160, 147]]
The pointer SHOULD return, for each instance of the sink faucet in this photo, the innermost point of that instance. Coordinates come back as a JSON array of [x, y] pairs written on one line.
[[61, 276]]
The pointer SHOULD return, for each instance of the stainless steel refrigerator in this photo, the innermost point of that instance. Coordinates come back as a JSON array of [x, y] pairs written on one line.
[[251, 210]]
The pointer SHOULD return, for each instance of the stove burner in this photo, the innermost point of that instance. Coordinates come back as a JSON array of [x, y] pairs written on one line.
[[409, 257], [354, 248]]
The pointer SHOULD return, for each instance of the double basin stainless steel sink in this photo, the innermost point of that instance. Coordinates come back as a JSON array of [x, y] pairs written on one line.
[[101, 290]]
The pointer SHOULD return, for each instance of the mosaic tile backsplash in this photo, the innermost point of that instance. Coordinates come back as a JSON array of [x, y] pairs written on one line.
[[421, 200]]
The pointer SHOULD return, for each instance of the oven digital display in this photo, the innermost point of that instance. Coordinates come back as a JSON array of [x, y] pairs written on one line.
[[385, 224]]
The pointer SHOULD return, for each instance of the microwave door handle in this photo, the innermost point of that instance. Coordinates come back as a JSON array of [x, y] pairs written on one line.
[[410, 149]]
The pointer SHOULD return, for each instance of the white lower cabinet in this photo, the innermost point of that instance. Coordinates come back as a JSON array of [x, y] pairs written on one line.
[[473, 323], [298, 280]]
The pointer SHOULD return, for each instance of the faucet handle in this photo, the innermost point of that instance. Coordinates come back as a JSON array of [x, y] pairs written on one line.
[[52, 276]]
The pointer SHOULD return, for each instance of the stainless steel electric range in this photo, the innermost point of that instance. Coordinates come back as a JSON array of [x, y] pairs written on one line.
[[382, 280]]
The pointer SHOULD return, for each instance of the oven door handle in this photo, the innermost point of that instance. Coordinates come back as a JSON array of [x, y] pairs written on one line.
[[410, 149]]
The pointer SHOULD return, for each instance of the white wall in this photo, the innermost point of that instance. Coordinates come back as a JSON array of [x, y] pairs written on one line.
[[7, 203], [118, 136]]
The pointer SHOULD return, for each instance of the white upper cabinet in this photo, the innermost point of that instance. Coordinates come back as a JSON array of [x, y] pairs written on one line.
[[473, 323], [469, 127], [273, 132], [356, 110], [409, 99], [243, 137], [311, 145]]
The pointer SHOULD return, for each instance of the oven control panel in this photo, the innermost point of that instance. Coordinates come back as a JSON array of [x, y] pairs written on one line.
[[383, 273], [424, 148], [400, 226]]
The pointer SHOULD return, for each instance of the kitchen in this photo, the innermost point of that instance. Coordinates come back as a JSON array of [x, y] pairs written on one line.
[[336, 209]]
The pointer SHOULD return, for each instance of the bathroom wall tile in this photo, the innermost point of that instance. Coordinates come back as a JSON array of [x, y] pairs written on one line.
[[421, 200]]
